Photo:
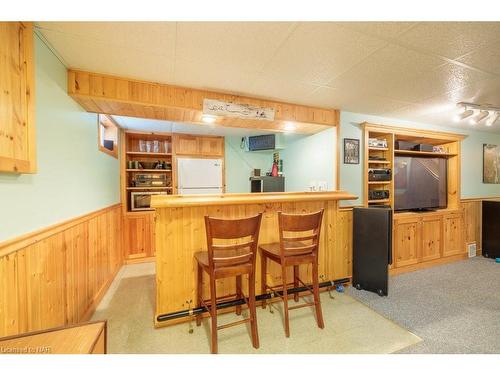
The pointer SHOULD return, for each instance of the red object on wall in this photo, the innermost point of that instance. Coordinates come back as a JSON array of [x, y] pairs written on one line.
[[274, 171]]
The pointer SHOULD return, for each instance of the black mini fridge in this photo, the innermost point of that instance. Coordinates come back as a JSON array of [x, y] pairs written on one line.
[[372, 248], [491, 229]]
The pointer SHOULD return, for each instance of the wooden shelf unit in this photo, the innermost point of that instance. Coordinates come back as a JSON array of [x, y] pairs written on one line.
[[428, 238], [384, 152]]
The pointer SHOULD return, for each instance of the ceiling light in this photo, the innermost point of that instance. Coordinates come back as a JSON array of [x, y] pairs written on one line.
[[463, 115], [480, 117], [493, 119], [209, 119], [289, 126]]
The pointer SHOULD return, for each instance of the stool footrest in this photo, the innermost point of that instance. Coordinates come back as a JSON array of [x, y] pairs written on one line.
[[302, 305], [232, 324]]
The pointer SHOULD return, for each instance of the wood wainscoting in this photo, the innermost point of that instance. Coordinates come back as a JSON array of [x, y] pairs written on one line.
[[58, 275], [473, 220]]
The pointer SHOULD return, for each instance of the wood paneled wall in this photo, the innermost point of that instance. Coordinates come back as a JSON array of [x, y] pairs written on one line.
[[101, 93], [473, 220], [57, 276]]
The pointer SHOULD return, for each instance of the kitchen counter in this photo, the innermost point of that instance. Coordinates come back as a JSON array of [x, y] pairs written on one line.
[[180, 232]]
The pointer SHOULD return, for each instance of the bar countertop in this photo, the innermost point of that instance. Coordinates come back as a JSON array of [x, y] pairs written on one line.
[[172, 201]]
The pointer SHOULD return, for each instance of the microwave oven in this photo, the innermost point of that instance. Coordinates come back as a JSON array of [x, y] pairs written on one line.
[[141, 201]]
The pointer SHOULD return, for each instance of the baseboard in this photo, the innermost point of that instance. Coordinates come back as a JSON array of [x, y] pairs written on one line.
[[140, 260]]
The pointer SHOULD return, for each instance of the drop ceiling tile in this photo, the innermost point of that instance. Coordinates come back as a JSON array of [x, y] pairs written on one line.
[[95, 56], [486, 59], [247, 45], [281, 89], [318, 51], [389, 73], [451, 39], [380, 29], [351, 100], [153, 37]]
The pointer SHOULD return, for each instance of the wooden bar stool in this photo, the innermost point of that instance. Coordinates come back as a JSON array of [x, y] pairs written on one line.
[[229, 260], [299, 244]]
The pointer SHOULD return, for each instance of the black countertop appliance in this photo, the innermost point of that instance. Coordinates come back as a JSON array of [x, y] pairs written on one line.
[[267, 184]]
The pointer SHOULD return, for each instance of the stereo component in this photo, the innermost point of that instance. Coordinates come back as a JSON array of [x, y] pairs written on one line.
[[378, 194], [379, 174], [375, 142]]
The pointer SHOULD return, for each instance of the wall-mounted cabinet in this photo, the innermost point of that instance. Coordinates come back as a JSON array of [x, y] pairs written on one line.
[[17, 118], [202, 146]]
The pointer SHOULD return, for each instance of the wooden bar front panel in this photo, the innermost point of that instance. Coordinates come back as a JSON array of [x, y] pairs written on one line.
[[180, 232]]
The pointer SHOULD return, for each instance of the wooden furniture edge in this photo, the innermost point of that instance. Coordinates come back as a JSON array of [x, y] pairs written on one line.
[[31, 238], [185, 201], [54, 329], [427, 264], [412, 131]]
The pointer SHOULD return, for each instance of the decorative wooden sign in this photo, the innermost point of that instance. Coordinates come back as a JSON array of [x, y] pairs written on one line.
[[245, 111]]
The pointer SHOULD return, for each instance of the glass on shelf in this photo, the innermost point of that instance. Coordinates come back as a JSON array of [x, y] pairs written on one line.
[[142, 145], [156, 146]]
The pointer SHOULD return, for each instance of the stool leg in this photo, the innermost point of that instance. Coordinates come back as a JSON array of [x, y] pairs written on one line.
[[238, 293], [253, 311], [263, 274], [199, 293], [285, 301], [296, 282], [317, 301], [213, 313]]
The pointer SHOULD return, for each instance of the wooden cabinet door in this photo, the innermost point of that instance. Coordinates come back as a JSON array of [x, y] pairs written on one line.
[[212, 146], [139, 236], [407, 240], [432, 228], [187, 145], [453, 234], [17, 122]]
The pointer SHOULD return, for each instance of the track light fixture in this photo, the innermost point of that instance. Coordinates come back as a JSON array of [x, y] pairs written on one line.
[[483, 111], [480, 117]]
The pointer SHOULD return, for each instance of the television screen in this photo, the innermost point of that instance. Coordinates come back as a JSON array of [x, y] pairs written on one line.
[[419, 183]]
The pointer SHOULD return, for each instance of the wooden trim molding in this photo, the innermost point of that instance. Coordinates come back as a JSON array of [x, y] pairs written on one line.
[[411, 131], [107, 94], [58, 275]]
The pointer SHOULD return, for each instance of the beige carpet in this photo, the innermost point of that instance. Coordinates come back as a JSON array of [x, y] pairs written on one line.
[[350, 326]]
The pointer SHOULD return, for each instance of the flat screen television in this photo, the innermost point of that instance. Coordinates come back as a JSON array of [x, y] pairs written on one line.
[[420, 183]]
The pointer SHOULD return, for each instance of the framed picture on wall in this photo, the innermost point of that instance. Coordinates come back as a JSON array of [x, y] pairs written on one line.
[[491, 164], [351, 151]]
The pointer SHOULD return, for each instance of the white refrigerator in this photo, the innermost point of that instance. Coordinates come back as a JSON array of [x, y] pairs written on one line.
[[199, 176]]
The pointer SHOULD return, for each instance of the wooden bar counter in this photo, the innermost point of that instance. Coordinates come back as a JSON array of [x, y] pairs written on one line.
[[180, 232]]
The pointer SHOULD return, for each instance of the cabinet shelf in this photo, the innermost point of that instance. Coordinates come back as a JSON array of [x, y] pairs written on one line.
[[378, 201], [150, 188], [424, 153], [379, 182], [379, 162], [378, 149], [150, 170], [148, 154]]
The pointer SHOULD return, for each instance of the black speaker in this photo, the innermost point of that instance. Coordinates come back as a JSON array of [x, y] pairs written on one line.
[[372, 248], [491, 229]]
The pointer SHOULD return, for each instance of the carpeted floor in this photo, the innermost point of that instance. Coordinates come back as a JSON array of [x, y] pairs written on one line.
[[350, 326], [454, 308]]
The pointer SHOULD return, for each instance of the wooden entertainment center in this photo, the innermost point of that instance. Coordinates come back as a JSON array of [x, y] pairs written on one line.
[[420, 239]]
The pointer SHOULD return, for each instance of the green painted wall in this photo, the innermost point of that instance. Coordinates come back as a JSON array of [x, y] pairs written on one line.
[[73, 177], [240, 163], [309, 159], [351, 176]]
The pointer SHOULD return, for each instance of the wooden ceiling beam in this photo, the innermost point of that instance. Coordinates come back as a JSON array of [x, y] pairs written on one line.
[[106, 94]]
